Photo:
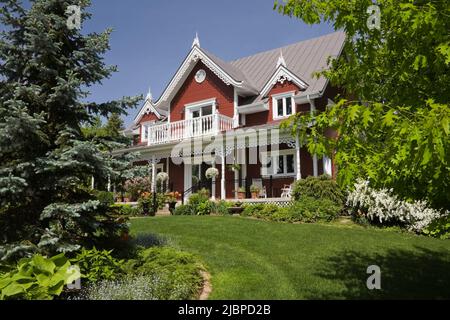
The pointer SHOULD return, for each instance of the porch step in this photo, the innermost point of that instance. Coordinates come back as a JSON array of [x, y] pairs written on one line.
[[163, 212]]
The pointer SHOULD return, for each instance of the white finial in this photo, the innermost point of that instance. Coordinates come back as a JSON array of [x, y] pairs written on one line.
[[149, 94], [196, 41], [281, 61]]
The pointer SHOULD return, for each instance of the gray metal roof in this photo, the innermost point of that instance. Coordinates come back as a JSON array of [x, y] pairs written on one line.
[[231, 70], [302, 58]]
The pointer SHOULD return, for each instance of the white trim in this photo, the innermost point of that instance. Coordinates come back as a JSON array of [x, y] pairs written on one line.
[[281, 75], [144, 129], [147, 108], [253, 108], [196, 106], [195, 55], [235, 108], [283, 96], [327, 166]]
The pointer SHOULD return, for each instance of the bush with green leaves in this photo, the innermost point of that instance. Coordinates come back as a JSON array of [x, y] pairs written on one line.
[[105, 197], [309, 210], [96, 265], [37, 278], [221, 207], [177, 269], [262, 211], [127, 210], [198, 204], [322, 187], [183, 210], [439, 228]]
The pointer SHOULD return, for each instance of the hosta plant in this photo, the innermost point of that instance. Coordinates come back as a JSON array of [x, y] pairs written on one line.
[[37, 278]]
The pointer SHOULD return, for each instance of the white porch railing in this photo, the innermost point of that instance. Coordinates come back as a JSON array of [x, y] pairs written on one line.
[[186, 129]]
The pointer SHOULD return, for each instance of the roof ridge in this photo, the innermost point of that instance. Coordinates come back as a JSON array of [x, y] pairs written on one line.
[[284, 47]]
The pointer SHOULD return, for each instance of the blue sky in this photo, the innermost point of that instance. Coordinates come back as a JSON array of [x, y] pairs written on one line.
[[152, 37]]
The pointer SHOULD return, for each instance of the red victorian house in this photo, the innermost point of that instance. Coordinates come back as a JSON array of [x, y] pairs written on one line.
[[226, 115]]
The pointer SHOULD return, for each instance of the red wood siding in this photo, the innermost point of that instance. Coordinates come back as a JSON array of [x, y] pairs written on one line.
[[192, 92]]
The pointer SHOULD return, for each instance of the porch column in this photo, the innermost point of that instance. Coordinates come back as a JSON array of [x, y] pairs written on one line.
[[222, 182], [236, 174], [213, 187], [109, 183], [153, 184], [298, 157], [92, 183], [315, 160], [315, 166]]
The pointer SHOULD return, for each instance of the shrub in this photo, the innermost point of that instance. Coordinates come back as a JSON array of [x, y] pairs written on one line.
[[183, 210], [322, 187], [37, 278], [198, 204], [221, 208], [96, 265], [439, 228], [306, 210], [127, 210], [263, 211], [385, 207], [179, 271], [309, 210], [106, 198]]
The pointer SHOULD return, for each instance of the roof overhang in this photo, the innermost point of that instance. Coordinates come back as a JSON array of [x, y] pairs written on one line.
[[254, 108]]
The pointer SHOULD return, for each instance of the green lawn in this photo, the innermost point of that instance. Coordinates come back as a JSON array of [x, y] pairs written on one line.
[[251, 259]]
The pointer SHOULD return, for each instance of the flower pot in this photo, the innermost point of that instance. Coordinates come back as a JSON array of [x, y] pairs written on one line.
[[145, 209], [241, 195], [172, 206], [254, 195]]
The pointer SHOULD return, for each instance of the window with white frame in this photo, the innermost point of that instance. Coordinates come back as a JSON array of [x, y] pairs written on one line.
[[144, 132], [283, 105], [281, 163]]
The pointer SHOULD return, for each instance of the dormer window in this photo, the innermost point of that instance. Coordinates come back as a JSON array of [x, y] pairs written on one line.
[[283, 105]]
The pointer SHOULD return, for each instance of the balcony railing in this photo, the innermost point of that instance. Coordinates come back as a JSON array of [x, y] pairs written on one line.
[[186, 129]]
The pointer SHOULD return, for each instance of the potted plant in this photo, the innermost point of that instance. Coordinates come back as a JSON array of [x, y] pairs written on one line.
[[172, 199], [145, 201], [255, 191], [241, 193]]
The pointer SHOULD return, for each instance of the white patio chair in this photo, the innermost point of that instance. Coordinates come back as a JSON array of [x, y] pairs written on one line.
[[287, 191]]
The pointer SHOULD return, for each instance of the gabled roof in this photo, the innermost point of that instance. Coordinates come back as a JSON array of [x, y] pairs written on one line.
[[254, 74], [303, 59]]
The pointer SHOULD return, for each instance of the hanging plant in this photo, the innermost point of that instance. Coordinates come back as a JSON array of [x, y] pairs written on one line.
[[212, 173], [162, 177]]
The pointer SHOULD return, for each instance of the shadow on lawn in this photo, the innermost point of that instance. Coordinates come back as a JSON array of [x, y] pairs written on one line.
[[418, 274]]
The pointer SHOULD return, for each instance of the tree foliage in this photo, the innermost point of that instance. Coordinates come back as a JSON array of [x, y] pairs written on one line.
[[393, 126], [45, 72]]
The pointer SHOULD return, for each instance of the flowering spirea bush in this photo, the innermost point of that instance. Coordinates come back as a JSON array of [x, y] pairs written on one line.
[[212, 173], [384, 206]]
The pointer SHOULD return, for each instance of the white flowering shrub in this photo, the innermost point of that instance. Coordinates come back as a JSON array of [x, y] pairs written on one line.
[[384, 206]]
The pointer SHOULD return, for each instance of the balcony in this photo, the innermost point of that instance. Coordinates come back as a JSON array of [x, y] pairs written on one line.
[[187, 129]]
